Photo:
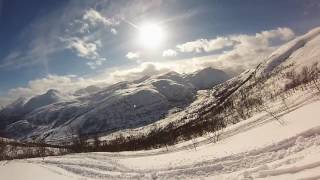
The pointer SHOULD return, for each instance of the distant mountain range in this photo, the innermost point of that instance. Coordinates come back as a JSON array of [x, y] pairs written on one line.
[[94, 109]]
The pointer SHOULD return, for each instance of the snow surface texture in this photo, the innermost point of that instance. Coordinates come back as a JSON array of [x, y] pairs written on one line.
[[94, 110], [258, 148]]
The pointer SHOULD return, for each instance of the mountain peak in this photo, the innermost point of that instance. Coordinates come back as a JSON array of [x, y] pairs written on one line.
[[52, 91], [51, 96], [207, 78]]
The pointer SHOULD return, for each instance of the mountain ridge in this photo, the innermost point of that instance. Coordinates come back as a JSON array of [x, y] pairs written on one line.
[[118, 106]]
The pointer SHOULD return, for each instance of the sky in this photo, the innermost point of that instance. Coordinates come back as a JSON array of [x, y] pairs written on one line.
[[69, 44]]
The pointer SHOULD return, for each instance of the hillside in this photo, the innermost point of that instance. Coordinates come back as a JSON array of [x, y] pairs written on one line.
[[104, 110]]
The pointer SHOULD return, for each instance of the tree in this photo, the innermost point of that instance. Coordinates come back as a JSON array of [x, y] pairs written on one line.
[[315, 75], [79, 143], [96, 143], [41, 151], [2, 149], [283, 99]]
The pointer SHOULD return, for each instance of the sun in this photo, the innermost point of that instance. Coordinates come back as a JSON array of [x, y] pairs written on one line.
[[151, 35]]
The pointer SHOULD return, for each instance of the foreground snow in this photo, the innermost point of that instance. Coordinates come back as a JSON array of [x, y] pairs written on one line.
[[259, 147]]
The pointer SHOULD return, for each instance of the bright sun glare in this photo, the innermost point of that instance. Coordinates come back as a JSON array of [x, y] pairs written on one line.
[[151, 35]]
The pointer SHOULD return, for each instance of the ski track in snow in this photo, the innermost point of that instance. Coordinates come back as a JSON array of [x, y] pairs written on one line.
[[286, 152], [290, 156]]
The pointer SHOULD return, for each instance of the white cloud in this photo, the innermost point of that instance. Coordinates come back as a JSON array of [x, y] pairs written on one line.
[[205, 45], [169, 53], [133, 55], [84, 27], [283, 33], [86, 35], [244, 51], [257, 40], [94, 18], [96, 63], [83, 49], [143, 69], [62, 83], [113, 31], [87, 50]]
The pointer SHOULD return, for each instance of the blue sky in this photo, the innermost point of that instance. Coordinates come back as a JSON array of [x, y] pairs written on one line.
[[71, 44]]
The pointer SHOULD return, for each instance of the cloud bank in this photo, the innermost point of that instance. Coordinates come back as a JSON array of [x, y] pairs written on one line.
[[259, 40]]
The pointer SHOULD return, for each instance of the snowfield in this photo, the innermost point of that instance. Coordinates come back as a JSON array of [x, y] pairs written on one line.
[[258, 148]]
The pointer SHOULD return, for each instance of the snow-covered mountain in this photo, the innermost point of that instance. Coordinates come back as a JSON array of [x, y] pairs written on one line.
[[206, 78], [50, 97], [302, 51], [135, 104], [95, 109], [87, 90]]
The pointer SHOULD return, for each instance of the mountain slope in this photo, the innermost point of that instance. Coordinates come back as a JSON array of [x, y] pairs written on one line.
[[206, 78], [302, 51], [50, 97], [119, 106]]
